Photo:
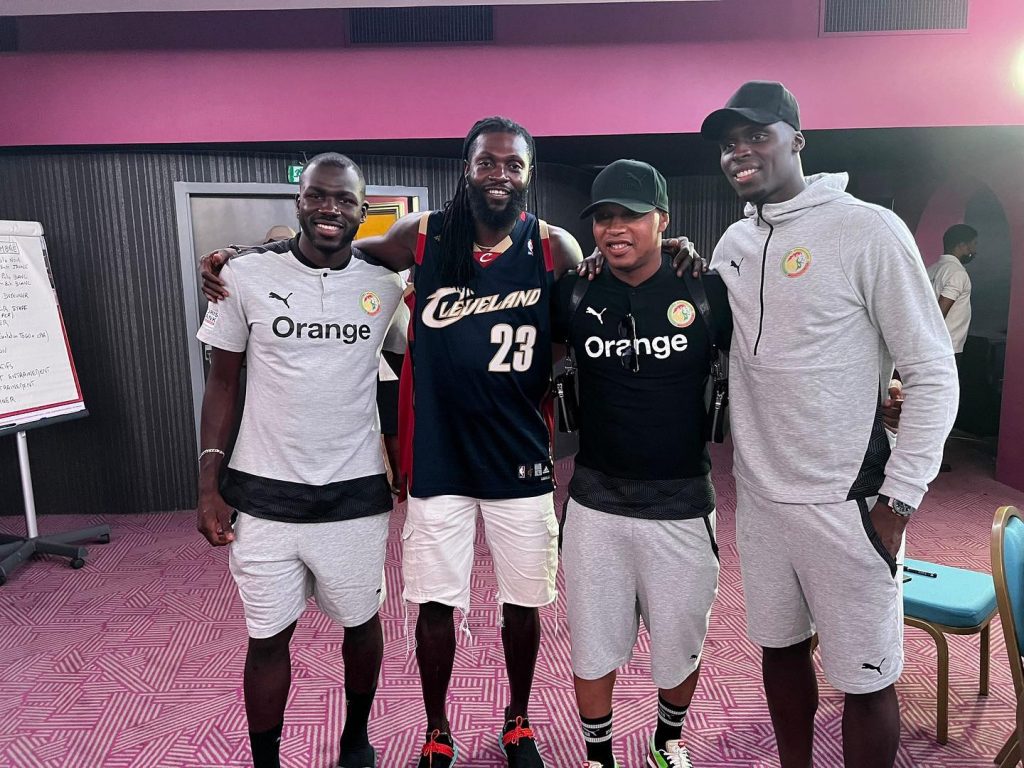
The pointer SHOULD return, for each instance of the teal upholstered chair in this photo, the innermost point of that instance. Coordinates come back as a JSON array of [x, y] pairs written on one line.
[[954, 601], [1008, 575]]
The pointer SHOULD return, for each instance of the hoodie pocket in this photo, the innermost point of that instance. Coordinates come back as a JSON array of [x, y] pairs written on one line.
[[873, 537]]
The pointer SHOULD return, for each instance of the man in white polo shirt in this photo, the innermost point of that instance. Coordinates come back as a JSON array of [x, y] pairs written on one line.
[[305, 500], [952, 284]]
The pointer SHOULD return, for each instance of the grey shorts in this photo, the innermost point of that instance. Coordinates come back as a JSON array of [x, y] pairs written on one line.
[[619, 569], [277, 566], [819, 568]]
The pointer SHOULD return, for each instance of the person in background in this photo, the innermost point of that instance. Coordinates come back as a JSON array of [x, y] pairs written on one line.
[[278, 232], [952, 286]]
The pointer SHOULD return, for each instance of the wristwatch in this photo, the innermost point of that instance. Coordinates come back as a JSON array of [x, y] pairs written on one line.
[[901, 508]]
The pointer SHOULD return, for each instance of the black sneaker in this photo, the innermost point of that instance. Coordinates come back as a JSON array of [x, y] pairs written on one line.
[[519, 745], [440, 751], [364, 757]]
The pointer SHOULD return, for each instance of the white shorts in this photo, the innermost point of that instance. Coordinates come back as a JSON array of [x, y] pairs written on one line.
[[277, 566], [618, 569], [437, 549], [821, 568]]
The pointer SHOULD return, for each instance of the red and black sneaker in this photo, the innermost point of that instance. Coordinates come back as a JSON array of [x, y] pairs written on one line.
[[519, 744], [440, 751]]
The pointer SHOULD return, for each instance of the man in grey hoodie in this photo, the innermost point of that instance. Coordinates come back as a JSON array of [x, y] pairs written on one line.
[[827, 293]]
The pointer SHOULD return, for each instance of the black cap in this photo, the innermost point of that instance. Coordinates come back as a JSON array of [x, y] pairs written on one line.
[[631, 184], [760, 101]]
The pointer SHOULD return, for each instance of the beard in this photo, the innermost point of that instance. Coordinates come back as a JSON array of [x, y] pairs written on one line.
[[967, 259], [496, 219]]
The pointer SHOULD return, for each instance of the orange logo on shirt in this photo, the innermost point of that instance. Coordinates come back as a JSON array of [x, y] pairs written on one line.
[[796, 263], [681, 313], [370, 302]]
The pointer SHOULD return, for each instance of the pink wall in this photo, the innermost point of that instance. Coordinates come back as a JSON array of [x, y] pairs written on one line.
[[118, 97]]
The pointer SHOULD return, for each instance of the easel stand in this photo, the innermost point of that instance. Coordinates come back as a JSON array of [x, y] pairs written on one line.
[[15, 550]]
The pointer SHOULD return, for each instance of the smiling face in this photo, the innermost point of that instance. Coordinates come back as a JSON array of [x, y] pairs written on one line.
[[631, 242], [762, 162], [330, 207], [497, 176]]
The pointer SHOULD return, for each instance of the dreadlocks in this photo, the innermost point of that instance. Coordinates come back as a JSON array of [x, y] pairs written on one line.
[[457, 227]]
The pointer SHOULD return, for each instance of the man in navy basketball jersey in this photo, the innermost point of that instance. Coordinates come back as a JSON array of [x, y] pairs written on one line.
[[474, 433]]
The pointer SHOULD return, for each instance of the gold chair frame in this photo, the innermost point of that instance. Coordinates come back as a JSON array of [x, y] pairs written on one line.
[[938, 632], [1010, 754]]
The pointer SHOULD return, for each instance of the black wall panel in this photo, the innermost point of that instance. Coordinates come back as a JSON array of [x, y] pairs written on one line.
[[702, 208], [111, 232]]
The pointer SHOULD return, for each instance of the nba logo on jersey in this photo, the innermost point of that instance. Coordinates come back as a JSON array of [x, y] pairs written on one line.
[[522, 471], [529, 247]]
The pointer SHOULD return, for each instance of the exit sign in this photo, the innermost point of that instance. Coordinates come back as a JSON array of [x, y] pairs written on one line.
[[294, 172]]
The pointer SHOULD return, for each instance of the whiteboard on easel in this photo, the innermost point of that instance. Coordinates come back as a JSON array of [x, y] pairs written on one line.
[[37, 374]]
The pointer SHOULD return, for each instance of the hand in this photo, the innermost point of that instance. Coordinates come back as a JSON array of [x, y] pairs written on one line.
[[889, 526], [399, 486], [395, 479], [590, 267], [214, 519], [892, 406], [209, 269], [684, 256]]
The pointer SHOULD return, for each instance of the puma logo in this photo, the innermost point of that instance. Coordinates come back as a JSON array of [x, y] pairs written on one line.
[[734, 265], [282, 300], [598, 315], [877, 669]]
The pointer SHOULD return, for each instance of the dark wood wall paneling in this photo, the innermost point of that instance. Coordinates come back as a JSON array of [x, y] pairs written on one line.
[[111, 232], [702, 208]]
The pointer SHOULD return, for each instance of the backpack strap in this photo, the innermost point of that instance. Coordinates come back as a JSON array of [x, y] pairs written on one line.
[[700, 298], [579, 290]]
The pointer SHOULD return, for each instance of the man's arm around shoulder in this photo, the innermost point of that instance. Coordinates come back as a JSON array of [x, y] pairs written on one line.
[[565, 251], [396, 248], [211, 264]]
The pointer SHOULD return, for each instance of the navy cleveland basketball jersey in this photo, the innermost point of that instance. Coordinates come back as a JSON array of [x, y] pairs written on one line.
[[475, 420]]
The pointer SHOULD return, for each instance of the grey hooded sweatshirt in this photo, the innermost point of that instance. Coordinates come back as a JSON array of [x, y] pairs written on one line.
[[827, 292]]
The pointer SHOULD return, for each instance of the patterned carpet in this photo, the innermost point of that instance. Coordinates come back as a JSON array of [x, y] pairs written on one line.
[[135, 661]]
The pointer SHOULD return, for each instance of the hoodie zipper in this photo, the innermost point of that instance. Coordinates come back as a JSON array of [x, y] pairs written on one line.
[[764, 260]]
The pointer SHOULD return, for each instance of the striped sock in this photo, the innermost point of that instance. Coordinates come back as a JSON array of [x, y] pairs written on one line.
[[597, 733], [670, 722]]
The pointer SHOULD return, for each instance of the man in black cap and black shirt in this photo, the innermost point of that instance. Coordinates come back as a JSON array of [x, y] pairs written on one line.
[[639, 527]]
